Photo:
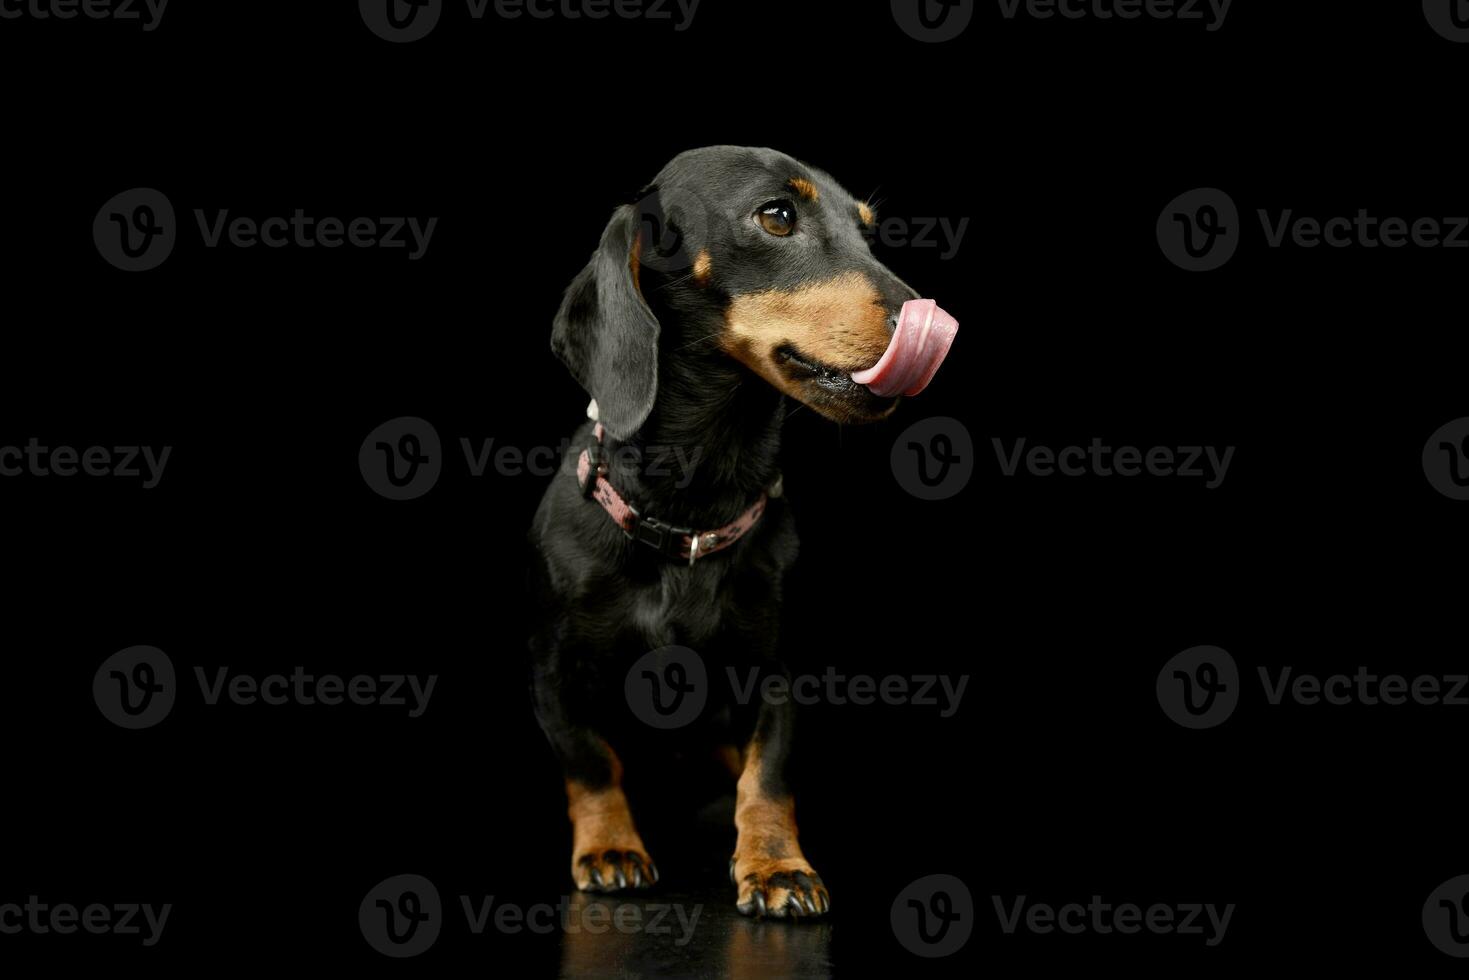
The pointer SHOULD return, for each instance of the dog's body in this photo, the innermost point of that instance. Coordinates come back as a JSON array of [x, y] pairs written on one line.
[[690, 351]]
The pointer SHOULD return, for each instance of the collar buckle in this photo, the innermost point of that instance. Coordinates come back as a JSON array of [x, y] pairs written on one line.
[[662, 537]]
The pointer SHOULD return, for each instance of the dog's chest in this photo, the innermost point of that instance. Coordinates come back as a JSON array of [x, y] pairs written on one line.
[[678, 608], [735, 606]]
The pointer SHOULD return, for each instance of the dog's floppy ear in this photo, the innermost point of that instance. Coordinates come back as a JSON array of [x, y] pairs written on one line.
[[605, 333]]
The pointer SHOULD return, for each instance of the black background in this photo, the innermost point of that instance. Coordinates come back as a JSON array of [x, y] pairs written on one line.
[[1059, 778]]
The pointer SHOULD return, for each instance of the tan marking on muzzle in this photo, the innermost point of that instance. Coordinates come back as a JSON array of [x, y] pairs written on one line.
[[840, 322]]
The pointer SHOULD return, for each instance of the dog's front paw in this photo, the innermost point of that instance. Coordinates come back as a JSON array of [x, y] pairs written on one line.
[[778, 887], [613, 869]]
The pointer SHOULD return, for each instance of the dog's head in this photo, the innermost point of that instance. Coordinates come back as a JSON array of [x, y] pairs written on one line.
[[742, 254]]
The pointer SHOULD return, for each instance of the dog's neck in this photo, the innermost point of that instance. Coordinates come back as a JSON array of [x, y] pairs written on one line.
[[709, 446]]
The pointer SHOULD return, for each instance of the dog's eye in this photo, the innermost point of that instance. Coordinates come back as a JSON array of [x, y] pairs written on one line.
[[777, 217]]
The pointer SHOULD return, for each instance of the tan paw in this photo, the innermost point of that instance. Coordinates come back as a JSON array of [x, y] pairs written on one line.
[[778, 887], [613, 869]]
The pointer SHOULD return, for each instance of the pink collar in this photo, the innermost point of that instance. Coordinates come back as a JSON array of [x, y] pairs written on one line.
[[675, 542]]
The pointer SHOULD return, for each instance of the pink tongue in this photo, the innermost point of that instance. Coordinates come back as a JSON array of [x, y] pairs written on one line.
[[918, 347]]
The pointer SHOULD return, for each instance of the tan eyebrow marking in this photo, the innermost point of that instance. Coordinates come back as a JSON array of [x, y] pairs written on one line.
[[703, 265], [866, 213], [805, 188]]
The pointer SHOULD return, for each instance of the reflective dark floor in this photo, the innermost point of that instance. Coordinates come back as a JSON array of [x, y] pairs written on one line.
[[690, 928], [687, 935]]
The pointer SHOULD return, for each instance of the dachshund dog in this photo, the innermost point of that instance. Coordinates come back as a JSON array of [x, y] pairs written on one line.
[[740, 279]]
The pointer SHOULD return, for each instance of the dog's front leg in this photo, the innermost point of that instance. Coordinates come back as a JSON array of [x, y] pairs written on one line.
[[607, 854], [772, 875]]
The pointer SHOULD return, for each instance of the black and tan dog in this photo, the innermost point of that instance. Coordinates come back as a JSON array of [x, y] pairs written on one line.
[[741, 279]]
